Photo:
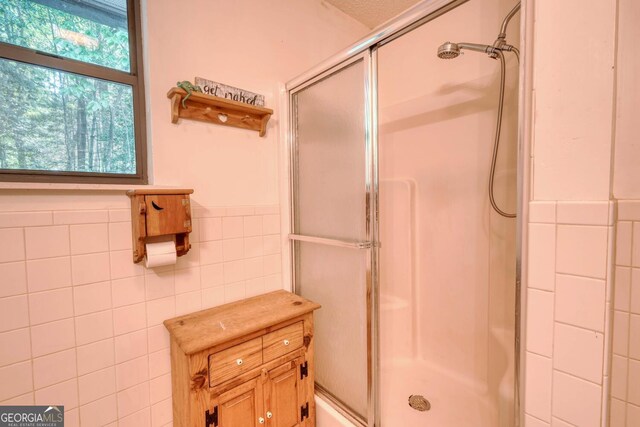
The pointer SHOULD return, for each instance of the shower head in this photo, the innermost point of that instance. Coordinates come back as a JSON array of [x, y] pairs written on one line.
[[450, 50]]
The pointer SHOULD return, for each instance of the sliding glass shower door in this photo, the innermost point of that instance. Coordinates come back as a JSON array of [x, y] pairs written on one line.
[[332, 228]]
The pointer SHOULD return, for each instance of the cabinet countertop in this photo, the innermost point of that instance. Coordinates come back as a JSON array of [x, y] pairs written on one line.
[[207, 328]]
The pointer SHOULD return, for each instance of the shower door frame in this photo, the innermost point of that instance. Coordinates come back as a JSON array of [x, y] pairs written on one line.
[[366, 49], [371, 237]]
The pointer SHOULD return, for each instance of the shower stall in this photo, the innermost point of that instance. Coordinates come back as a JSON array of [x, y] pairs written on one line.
[[404, 222]]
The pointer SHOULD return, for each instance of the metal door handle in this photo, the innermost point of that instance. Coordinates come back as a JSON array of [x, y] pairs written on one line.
[[332, 242]]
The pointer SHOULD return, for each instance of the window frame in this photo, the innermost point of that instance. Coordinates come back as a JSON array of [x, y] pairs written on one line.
[[133, 78]]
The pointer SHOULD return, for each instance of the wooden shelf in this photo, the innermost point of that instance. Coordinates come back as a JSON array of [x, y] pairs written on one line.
[[165, 191], [212, 109]]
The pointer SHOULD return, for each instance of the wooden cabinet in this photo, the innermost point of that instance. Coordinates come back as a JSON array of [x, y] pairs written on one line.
[[242, 406], [245, 364], [160, 213], [167, 214], [285, 399]]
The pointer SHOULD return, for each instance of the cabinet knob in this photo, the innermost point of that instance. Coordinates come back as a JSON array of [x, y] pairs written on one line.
[[239, 362], [261, 420], [286, 342], [269, 414]]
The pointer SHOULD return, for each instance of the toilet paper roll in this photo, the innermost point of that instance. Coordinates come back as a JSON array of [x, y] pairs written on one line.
[[159, 254]]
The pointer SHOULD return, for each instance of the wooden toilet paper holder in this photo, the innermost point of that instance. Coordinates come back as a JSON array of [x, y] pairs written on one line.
[[160, 213]]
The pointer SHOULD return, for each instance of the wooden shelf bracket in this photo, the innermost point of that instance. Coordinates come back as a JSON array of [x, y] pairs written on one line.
[[221, 111]]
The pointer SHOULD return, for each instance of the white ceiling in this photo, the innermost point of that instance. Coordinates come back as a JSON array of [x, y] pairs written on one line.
[[372, 12]]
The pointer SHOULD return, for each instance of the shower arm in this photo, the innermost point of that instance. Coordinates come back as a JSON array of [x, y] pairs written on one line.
[[492, 51], [484, 48], [501, 41], [505, 22]]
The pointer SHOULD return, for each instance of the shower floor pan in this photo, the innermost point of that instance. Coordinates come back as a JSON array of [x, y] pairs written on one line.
[[453, 403]]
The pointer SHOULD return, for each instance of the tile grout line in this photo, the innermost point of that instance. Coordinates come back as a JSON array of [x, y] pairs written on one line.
[[553, 330], [582, 328], [627, 357], [113, 336], [602, 279], [563, 420], [607, 356], [600, 385], [33, 381], [73, 307]]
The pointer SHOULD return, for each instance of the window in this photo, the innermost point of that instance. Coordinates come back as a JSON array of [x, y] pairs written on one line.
[[71, 91]]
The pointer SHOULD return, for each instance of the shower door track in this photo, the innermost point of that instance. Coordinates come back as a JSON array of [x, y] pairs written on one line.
[[366, 49]]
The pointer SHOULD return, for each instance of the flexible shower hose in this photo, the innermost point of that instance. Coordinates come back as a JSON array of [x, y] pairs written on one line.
[[496, 143]]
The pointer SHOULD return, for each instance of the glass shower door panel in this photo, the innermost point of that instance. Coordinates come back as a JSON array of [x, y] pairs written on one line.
[[331, 156], [336, 278], [330, 200]]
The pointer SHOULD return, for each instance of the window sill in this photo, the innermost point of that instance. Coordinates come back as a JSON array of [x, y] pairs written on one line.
[[56, 186]]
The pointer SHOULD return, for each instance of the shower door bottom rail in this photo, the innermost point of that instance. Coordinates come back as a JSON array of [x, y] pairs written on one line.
[[332, 242]]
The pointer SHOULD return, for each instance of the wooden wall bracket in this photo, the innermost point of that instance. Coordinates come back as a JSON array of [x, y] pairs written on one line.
[[221, 111], [160, 213]]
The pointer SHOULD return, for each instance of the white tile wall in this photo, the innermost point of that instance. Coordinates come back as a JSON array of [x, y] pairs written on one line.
[[540, 322], [12, 248], [80, 324], [576, 401], [47, 242], [538, 380], [542, 256], [54, 368], [14, 276], [579, 301], [65, 392], [578, 352], [625, 380], [49, 273], [566, 326], [15, 346], [582, 250]]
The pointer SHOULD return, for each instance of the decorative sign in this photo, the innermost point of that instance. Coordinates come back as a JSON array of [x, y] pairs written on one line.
[[223, 91]]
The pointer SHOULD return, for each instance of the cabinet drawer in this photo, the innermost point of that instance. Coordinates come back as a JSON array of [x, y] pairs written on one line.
[[234, 361], [282, 341]]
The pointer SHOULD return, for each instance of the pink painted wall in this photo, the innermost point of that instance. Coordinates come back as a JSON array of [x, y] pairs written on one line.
[[626, 179], [255, 45], [80, 324], [573, 82]]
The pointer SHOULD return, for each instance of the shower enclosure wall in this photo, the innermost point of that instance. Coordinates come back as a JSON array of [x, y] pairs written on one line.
[[392, 229]]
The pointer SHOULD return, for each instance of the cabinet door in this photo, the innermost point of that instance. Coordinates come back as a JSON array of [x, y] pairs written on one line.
[[242, 406], [168, 214], [284, 395]]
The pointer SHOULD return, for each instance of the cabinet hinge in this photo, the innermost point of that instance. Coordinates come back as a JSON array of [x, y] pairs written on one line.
[[304, 370], [211, 419], [304, 411]]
